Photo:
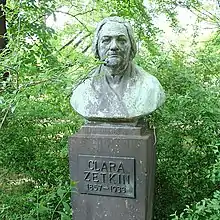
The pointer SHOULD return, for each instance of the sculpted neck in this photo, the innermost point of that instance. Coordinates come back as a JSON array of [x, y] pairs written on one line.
[[114, 75]]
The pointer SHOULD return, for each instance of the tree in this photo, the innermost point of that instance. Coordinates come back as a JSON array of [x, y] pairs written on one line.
[[2, 25]]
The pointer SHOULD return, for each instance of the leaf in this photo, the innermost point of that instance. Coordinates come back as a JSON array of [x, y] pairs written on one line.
[[73, 183], [1, 100], [64, 216], [66, 207], [42, 209], [61, 192], [13, 107], [30, 218]]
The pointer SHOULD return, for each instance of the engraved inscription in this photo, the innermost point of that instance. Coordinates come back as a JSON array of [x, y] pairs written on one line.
[[111, 176]]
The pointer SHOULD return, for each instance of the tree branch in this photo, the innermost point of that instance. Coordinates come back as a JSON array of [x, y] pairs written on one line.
[[203, 14], [70, 41], [85, 49], [83, 25], [77, 43], [6, 114], [80, 13], [75, 16]]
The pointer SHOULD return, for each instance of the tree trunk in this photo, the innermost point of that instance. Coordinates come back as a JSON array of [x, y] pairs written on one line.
[[2, 25]]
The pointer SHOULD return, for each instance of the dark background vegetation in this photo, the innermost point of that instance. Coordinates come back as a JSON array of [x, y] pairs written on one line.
[[37, 72]]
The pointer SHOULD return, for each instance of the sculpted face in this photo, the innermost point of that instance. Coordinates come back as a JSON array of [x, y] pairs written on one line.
[[114, 46]]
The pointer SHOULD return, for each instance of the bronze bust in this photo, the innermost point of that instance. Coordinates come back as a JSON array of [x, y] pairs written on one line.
[[117, 90]]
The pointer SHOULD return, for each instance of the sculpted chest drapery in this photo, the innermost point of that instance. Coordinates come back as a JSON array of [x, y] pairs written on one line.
[[117, 89]]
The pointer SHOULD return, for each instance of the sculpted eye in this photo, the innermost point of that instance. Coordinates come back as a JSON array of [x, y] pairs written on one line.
[[122, 40], [105, 40]]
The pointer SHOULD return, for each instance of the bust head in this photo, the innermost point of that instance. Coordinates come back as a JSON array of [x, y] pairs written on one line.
[[114, 42], [123, 91]]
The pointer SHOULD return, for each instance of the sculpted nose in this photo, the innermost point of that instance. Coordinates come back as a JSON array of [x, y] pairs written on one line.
[[113, 45]]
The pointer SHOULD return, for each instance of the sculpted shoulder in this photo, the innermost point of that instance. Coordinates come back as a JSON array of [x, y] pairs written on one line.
[[150, 89], [83, 93]]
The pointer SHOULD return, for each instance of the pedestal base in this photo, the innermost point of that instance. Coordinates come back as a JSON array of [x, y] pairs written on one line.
[[114, 167]]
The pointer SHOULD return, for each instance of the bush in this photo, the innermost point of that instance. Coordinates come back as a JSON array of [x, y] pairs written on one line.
[[203, 210]]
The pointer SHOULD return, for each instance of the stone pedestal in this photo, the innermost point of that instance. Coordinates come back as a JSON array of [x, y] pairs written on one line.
[[114, 167]]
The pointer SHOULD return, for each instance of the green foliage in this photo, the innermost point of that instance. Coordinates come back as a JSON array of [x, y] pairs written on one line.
[[27, 201], [36, 118], [206, 209], [188, 131]]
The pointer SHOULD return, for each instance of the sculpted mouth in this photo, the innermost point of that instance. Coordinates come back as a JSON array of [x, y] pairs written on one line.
[[113, 55]]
